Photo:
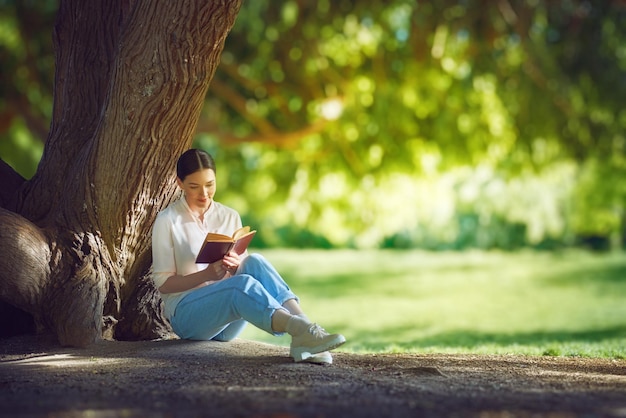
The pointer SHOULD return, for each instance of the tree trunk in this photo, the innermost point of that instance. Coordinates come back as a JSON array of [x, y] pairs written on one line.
[[131, 78]]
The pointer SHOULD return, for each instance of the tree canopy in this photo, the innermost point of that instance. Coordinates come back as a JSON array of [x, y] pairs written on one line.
[[392, 123]]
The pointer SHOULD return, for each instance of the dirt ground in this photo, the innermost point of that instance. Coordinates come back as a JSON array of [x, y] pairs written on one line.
[[247, 379]]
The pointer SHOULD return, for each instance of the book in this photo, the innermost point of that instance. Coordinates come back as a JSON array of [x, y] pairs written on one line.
[[216, 246]]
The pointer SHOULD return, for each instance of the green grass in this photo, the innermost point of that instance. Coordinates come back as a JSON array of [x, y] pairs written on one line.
[[529, 303]]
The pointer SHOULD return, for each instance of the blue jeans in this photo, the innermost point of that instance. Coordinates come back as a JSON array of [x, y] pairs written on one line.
[[220, 311]]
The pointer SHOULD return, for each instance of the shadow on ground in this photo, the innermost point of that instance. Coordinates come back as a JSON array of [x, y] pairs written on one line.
[[243, 378]]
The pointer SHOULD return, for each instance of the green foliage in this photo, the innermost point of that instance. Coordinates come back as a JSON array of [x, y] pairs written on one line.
[[26, 84], [392, 123], [560, 304], [420, 94], [22, 152]]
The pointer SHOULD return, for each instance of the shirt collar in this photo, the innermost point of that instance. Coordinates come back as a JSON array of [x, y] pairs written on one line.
[[192, 213]]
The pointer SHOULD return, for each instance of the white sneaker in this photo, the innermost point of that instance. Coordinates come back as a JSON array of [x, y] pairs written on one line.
[[320, 358], [313, 341]]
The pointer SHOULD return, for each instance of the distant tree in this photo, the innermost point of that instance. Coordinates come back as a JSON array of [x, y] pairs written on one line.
[[131, 78]]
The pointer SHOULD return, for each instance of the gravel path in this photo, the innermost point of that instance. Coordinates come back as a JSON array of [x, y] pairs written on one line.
[[248, 379]]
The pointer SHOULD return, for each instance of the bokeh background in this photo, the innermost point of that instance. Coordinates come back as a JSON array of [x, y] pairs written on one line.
[[392, 124]]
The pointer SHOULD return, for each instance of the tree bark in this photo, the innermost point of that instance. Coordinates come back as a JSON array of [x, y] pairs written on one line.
[[130, 82]]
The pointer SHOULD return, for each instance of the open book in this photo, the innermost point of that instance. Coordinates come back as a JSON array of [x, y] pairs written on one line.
[[216, 246]]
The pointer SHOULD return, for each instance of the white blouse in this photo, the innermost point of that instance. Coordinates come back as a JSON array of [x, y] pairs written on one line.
[[177, 236]]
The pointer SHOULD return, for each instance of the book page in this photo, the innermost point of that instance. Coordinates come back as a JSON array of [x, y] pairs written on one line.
[[241, 232], [217, 237]]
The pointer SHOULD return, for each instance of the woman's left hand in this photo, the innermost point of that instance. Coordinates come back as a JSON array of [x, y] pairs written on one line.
[[231, 262]]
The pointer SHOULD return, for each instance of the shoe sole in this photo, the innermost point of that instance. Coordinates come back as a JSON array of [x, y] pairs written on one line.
[[302, 353], [320, 358]]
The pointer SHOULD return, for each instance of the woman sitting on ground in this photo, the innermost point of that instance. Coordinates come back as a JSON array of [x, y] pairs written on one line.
[[216, 301]]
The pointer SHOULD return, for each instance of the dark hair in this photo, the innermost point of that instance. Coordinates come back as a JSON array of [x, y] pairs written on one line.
[[193, 160]]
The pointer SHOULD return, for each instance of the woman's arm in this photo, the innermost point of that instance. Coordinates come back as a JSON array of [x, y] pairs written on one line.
[[174, 284]]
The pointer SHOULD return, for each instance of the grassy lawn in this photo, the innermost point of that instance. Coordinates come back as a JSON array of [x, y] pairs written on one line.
[[563, 304]]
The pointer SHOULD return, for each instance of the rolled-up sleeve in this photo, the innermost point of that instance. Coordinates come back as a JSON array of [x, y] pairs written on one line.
[[163, 261]]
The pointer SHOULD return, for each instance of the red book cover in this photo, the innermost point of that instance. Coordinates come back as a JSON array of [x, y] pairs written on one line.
[[216, 246]]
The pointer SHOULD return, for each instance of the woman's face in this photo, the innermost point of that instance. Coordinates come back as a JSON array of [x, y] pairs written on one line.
[[199, 189]]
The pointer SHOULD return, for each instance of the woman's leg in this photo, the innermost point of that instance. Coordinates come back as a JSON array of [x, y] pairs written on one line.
[[231, 331], [206, 312], [261, 269], [293, 307], [258, 267]]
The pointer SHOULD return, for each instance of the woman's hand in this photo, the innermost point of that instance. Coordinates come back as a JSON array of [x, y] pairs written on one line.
[[231, 262], [216, 272]]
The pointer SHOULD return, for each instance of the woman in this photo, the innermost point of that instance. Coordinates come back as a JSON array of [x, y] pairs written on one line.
[[215, 301]]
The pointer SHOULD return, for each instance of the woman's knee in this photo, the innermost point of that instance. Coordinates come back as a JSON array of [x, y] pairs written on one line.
[[254, 259]]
